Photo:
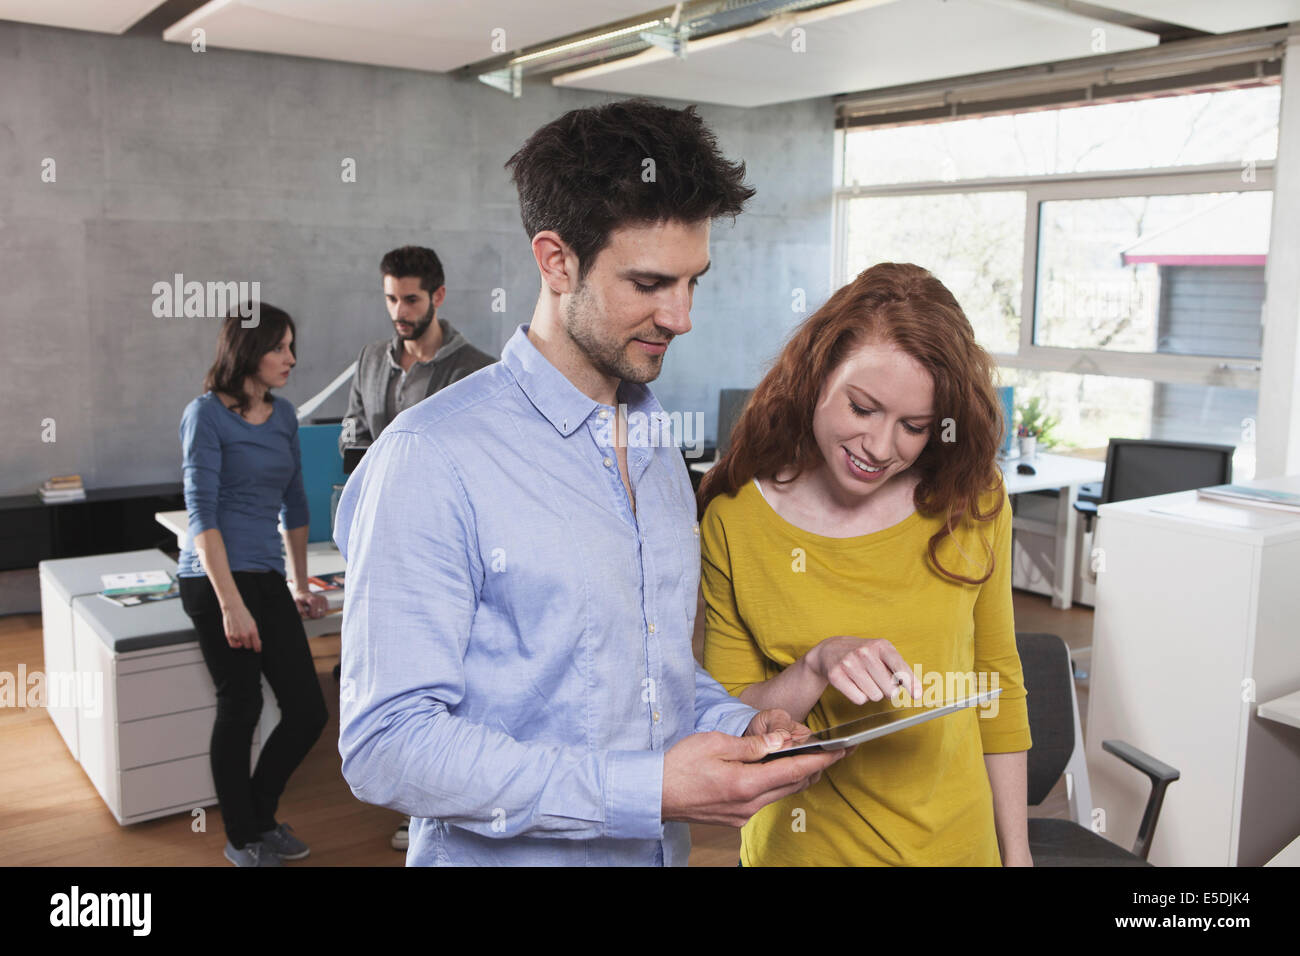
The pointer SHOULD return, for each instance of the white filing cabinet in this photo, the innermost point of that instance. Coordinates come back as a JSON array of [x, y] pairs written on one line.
[[146, 752], [1197, 621], [61, 581], [144, 745], [141, 726]]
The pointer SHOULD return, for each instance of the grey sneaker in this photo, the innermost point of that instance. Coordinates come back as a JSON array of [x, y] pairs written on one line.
[[254, 854], [284, 844]]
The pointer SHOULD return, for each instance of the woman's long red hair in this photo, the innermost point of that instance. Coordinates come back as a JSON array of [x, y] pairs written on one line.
[[905, 306]]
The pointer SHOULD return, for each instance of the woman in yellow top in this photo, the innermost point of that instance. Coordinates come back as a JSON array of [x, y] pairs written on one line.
[[858, 532]]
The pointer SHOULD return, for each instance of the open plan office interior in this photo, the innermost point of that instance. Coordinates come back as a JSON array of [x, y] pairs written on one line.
[[1103, 187]]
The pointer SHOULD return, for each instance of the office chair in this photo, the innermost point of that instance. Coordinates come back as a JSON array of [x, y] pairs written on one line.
[[731, 402], [1140, 468], [1058, 748]]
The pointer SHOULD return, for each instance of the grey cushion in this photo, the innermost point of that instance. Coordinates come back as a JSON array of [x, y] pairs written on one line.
[[155, 624]]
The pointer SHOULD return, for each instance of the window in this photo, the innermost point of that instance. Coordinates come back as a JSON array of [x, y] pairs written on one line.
[[1193, 130], [974, 241], [1095, 408], [1174, 274], [1111, 256]]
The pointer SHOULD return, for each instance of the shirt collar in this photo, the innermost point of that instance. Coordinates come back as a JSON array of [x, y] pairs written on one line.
[[558, 399], [452, 341]]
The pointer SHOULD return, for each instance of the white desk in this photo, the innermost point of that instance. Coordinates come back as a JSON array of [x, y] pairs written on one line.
[[1062, 473], [322, 558], [1284, 710], [177, 522]]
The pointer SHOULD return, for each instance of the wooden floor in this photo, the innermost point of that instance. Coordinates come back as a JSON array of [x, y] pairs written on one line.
[[50, 813]]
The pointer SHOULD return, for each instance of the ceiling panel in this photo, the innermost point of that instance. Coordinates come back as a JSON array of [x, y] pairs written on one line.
[[875, 44], [437, 35], [102, 16], [1213, 16]]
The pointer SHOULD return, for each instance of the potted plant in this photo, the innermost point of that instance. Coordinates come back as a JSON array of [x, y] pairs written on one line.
[[1035, 427]]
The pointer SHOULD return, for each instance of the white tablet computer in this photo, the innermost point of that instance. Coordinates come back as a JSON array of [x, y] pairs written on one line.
[[876, 725]]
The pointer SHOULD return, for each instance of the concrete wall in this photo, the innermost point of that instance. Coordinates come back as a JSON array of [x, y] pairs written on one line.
[[226, 166]]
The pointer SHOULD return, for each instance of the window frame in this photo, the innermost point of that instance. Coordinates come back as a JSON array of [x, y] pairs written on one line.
[[1226, 371]]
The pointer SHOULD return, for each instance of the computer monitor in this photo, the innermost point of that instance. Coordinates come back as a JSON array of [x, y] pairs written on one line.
[[731, 402], [352, 455]]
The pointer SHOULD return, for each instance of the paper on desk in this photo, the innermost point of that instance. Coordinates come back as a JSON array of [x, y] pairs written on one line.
[[1251, 519], [129, 580]]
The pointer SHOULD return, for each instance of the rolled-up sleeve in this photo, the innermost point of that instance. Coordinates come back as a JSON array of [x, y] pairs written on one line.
[[293, 511], [715, 709], [406, 528], [200, 468]]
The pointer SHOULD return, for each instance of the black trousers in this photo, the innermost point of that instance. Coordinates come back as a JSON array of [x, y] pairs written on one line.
[[248, 803]]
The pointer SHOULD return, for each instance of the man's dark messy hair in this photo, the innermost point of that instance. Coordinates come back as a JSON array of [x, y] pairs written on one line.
[[586, 174], [415, 261]]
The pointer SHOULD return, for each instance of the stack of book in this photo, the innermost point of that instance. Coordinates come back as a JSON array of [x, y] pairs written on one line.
[[138, 587], [63, 488], [331, 586], [326, 582]]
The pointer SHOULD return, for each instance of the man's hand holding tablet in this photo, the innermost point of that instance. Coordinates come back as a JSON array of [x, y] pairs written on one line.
[[720, 779]]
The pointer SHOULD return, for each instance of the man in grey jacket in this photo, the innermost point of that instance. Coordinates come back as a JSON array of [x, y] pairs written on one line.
[[425, 354]]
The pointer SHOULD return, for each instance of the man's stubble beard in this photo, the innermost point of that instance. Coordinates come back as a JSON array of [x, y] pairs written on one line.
[[419, 328], [582, 324]]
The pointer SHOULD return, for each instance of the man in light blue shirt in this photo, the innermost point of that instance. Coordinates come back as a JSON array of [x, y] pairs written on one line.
[[521, 593]]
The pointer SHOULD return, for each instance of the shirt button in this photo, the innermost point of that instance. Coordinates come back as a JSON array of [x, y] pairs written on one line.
[[656, 716], [696, 529], [603, 415], [652, 628], [609, 462]]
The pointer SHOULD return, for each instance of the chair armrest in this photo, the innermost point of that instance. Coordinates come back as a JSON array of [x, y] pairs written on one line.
[[1161, 775], [1090, 491], [1143, 761], [1089, 511]]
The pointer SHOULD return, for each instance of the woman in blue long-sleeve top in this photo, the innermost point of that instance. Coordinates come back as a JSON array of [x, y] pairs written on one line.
[[242, 472]]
